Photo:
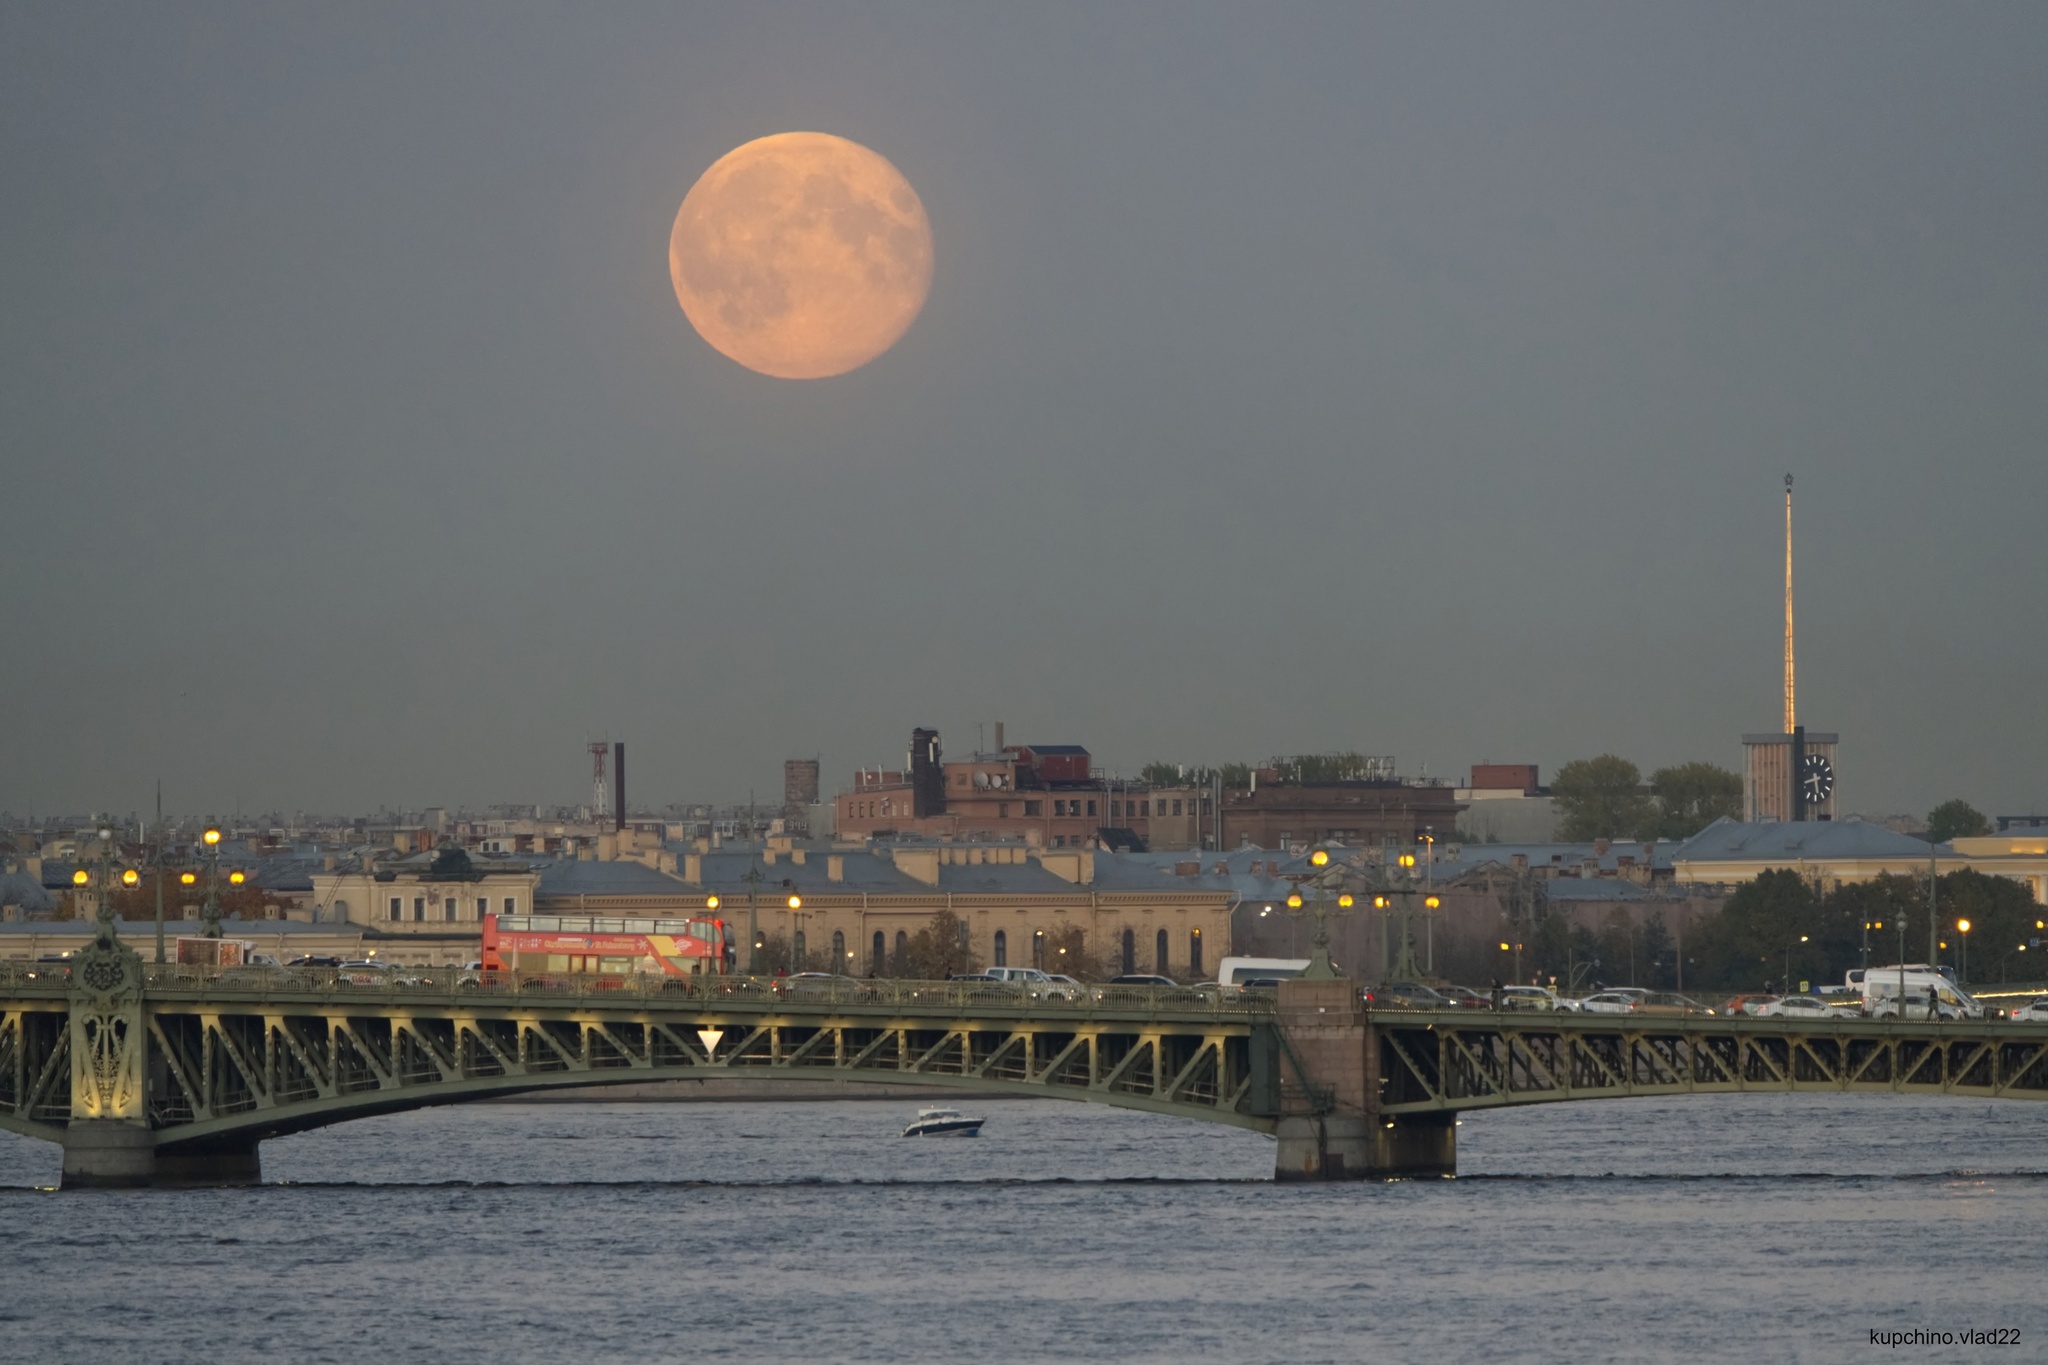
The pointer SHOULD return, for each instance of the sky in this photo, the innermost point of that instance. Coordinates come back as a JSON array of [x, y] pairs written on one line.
[[1413, 379]]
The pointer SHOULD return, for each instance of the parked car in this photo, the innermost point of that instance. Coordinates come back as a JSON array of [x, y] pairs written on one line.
[[1608, 1002], [1528, 998]]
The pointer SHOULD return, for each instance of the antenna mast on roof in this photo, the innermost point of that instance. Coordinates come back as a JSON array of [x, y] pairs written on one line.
[[1791, 710]]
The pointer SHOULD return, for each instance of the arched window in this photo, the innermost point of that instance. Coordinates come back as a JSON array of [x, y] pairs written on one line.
[[1195, 954], [1159, 966], [838, 950], [881, 954], [1002, 949], [1130, 955], [902, 952]]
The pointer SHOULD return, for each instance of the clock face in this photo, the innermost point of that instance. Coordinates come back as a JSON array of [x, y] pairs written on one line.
[[1816, 779]]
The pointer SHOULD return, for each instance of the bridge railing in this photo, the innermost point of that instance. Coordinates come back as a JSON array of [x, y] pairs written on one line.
[[810, 992]]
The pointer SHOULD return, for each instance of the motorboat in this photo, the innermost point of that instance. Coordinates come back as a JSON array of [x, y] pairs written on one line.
[[941, 1121]]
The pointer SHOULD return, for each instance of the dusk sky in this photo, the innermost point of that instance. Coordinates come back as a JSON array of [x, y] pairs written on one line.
[[1414, 379]]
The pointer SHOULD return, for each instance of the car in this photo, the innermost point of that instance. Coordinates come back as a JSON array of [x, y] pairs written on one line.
[[1745, 1004], [1064, 988], [1408, 995], [822, 984], [1528, 998], [1465, 998], [314, 962], [1608, 1002], [2035, 1013], [1670, 1003], [1140, 979]]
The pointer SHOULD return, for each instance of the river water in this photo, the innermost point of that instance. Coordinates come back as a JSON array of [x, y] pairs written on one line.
[[1769, 1228]]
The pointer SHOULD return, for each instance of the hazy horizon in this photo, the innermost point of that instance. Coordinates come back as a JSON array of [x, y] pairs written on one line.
[[1391, 378]]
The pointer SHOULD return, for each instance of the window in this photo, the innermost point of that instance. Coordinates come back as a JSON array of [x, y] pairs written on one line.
[[1130, 954], [881, 955], [419, 909], [1033, 807], [483, 906], [838, 949], [511, 906], [1116, 809], [397, 908], [1159, 965], [341, 912], [1091, 808], [1159, 806], [1002, 949], [1002, 810], [902, 946], [1195, 953], [1176, 808]]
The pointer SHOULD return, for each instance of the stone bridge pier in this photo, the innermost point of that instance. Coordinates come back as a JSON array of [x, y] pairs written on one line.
[[1326, 1056]]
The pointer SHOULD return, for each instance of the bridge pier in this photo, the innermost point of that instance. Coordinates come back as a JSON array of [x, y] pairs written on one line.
[[1330, 1126], [108, 1153], [113, 1154]]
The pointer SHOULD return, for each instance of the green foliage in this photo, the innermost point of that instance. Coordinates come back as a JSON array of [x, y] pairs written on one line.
[[1603, 798], [1162, 774], [1749, 942], [1691, 796], [1956, 819]]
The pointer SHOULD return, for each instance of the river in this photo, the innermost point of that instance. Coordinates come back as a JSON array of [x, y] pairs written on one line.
[[1765, 1227]]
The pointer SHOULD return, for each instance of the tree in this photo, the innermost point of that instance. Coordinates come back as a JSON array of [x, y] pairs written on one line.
[[1602, 798], [938, 950], [1162, 774], [1757, 936], [1691, 796], [1956, 819]]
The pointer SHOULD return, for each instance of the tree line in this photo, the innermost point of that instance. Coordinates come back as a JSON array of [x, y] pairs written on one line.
[[1606, 798]]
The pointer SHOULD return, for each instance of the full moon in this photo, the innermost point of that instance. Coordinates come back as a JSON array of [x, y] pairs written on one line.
[[801, 255]]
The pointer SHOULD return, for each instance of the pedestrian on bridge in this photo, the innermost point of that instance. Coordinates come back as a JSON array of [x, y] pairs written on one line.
[[1933, 1005]]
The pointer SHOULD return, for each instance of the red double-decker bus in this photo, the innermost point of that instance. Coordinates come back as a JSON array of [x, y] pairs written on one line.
[[603, 943]]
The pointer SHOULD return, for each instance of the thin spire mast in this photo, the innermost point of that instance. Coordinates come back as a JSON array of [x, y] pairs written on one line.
[[1791, 709]]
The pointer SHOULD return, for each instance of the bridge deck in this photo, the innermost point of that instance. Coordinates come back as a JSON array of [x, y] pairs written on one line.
[[1456, 1060]]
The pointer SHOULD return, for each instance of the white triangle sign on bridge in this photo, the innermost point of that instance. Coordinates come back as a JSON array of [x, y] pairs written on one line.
[[709, 1037]]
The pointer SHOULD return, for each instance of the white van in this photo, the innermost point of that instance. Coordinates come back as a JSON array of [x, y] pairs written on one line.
[[1881, 994], [1234, 972]]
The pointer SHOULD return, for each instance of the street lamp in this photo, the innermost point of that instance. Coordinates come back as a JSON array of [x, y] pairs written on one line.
[[1963, 952], [1788, 966], [1326, 878], [210, 913], [796, 936]]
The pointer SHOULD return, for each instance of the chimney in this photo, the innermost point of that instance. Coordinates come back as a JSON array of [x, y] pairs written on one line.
[[619, 785], [999, 736], [835, 867]]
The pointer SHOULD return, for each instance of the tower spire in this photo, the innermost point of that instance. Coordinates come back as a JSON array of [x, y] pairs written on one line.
[[1791, 709]]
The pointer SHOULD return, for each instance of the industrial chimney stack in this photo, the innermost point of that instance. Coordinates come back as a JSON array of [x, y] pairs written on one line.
[[619, 785]]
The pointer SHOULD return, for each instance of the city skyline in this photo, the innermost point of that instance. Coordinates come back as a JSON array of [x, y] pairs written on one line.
[[1408, 382]]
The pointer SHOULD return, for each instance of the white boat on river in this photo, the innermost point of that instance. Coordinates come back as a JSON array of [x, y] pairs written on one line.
[[940, 1121]]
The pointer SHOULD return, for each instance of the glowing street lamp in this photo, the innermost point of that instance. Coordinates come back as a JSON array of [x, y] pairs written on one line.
[[1963, 952]]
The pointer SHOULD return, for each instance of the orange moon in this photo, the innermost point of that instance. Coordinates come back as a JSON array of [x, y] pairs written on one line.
[[801, 255]]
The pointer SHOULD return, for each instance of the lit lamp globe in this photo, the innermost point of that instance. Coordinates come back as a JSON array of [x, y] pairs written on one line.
[[796, 902], [187, 878], [711, 902], [130, 877], [237, 877], [80, 878], [212, 836]]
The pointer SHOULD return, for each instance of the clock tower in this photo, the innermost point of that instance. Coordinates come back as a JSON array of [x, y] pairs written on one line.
[[1789, 775]]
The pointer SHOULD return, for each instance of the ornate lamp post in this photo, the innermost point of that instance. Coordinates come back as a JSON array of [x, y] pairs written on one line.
[[796, 933], [1962, 952], [210, 910], [1326, 878]]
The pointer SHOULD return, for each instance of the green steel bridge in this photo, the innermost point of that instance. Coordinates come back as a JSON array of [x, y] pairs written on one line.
[[153, 1073]]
